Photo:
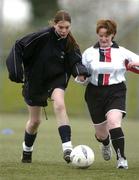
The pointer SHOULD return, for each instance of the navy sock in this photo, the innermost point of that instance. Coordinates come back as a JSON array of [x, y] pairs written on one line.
[[29, 139], [65, 133], [118, 141]]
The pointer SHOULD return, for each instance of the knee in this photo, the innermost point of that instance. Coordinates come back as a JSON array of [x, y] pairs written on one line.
[[59, 107], [101, 131], [34, 123], [114, 119], [114, 124], [101, 136]]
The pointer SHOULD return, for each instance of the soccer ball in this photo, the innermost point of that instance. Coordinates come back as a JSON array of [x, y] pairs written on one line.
[[82, 156]]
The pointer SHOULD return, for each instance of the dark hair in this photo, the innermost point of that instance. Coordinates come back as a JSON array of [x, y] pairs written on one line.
[[110, 25], [64, 16]]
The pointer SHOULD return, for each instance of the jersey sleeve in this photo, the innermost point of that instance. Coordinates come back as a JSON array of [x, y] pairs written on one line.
[[129, 55], [87, 59]]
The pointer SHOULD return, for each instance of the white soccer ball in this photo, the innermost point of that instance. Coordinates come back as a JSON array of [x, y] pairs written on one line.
[[82, 156]]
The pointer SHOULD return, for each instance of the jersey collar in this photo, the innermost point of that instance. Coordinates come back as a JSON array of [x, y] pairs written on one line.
[[114, 45]]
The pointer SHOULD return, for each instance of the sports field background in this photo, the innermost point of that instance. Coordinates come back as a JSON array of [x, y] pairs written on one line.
[[10, 97], [48, 163], [12, 101]]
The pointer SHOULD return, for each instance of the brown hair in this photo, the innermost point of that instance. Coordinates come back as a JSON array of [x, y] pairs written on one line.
[[110, 25], [64, 16]]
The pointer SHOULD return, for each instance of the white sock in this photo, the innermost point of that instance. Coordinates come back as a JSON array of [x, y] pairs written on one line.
[[26, 148], [67, 145]]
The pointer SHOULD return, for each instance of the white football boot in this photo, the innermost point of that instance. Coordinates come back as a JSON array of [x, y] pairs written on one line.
[[122, 163]]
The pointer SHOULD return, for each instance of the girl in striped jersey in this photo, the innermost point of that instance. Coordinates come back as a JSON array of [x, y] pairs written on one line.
[[106, 91]]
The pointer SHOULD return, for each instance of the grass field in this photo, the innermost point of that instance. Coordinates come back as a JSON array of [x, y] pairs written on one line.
[[48, 163]]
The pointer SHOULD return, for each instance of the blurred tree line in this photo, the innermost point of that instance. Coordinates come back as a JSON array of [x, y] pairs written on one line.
[[84, 16], [43, 10]]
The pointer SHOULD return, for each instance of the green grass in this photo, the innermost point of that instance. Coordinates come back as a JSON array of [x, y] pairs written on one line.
[[48, 163]]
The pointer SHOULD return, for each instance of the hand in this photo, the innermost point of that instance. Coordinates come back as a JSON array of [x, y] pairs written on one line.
[[81, 78], [130, 65]]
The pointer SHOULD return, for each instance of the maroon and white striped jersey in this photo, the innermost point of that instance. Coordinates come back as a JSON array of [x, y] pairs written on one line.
[[108, 66]]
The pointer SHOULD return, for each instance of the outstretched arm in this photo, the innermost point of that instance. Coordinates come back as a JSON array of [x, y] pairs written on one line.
[[132, 66]]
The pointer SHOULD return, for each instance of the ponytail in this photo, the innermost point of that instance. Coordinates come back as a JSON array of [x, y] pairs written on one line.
[[71, 43]]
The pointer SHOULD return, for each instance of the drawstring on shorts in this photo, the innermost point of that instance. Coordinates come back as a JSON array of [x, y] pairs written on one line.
[[45, 113]]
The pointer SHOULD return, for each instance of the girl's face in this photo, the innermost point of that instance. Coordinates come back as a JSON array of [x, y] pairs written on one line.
[[104, 39], [62, 28]]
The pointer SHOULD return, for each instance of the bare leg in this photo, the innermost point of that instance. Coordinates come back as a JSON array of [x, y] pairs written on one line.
[[34, 119], [62, 121], [59, 107], [102, 131], [114, 119]]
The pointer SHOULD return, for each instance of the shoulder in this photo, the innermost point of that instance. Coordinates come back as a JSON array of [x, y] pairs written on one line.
[[31, 37], [123, 49], [89, 54], [41, 33], [89, 50]]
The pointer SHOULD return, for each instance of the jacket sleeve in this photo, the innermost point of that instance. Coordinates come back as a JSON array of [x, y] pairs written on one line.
[[14, 63], [75, 61], [30, 41], [22, 50]]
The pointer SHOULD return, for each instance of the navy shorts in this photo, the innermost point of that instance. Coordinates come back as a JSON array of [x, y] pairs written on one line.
[[41, 99], [101, 99]]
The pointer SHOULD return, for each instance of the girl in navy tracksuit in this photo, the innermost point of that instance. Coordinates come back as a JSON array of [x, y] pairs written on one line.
[[43, 62]]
